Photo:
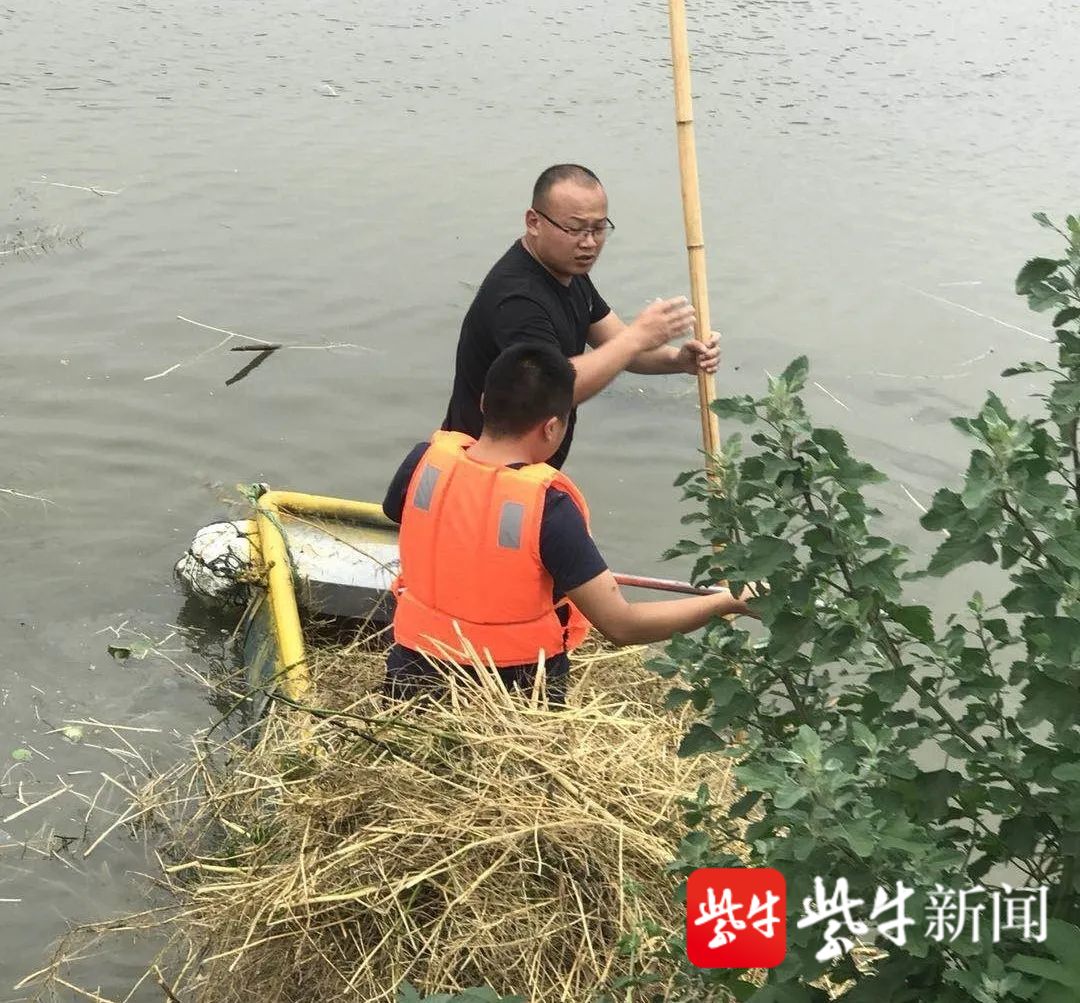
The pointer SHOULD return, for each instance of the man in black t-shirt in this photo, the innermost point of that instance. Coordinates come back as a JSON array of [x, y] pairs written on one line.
[[540, 292], [528, 394]]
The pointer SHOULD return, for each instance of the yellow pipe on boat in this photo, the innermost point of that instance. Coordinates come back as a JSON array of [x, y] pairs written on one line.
[[295, 674], [332, 508], [294, 678]]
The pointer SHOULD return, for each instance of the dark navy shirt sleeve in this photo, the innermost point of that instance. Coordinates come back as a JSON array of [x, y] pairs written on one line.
[[567, 550], [394, 502]]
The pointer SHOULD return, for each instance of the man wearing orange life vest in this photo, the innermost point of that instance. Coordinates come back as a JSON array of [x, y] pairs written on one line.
[[495, 544]]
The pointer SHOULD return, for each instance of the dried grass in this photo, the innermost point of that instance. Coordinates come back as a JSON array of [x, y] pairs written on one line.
[[482, 840]]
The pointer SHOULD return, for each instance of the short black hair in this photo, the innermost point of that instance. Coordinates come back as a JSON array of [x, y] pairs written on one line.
[[526, 385], [561, 172]]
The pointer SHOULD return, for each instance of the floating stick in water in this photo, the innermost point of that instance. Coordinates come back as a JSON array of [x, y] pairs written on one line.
[[984, 316], [259, 345]]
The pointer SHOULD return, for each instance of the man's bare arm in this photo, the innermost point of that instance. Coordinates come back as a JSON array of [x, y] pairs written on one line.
[[623, 622], [689, 357], [649, 362], [597, 368], [617, 345]]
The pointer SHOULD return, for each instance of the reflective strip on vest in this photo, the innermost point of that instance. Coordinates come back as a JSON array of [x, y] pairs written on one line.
[[425, 490], [511, 518]]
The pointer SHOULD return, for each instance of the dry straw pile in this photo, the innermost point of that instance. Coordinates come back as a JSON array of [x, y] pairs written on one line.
[[484, 840]]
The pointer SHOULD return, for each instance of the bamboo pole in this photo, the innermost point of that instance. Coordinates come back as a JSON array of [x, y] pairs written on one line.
[[695, 238], [691, 199]]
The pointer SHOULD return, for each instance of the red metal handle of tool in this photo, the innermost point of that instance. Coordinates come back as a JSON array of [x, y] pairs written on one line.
[[665, 585]]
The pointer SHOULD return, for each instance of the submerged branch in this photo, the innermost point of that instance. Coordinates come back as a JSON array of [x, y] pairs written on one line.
[[257, 345]]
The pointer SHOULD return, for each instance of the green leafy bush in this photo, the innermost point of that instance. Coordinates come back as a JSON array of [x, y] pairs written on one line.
[[878, 741]]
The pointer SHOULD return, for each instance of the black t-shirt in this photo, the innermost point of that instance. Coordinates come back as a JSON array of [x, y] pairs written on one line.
[[567, 551], [519, 301]]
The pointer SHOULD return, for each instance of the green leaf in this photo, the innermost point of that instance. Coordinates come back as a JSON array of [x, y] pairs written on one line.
[[1045, 699], [680, 550], [723, 690], [981, 481], [1020, 835], [764, 555], [788, 992], [485, 995], [1069, 313], [788, 632], [788, 796], [677, 698], [1043, 968], [741, 408], [700, 738], [1065, 547], [1063, 941], [945, 508], [407, 994], [1065, 396], [1057, 638], [1026, 367], [932, 791], [917, 620], [834, 643], [957, 551], [998, 629], [773, 468], [787, 756], [890, 686], [21, 755], [740, 991], [771, 520], [862, 843], [880, 574], [832, 442], [795, 374], [1043, 296], [1051, 992], [1031, 595], [744, 804], [1035, 271], [863, 735]]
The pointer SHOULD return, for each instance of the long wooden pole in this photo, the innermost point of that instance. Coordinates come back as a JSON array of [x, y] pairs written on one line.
[[691, 199]]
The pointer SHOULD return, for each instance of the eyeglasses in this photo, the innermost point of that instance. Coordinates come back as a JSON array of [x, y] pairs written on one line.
[[600, 231]]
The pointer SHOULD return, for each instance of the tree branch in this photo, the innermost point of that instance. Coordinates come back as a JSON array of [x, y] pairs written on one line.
[[1074, 449], [1029, 535]]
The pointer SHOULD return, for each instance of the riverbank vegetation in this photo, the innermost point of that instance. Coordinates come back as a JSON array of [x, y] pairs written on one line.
[[882, 743]]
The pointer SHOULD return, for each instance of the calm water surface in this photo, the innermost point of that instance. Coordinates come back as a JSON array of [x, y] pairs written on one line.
[[344, 174]]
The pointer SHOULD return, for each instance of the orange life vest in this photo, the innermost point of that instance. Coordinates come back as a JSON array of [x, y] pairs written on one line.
[[470, 560]]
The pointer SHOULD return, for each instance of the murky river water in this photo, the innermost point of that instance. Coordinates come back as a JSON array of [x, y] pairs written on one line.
[[344, 174]]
